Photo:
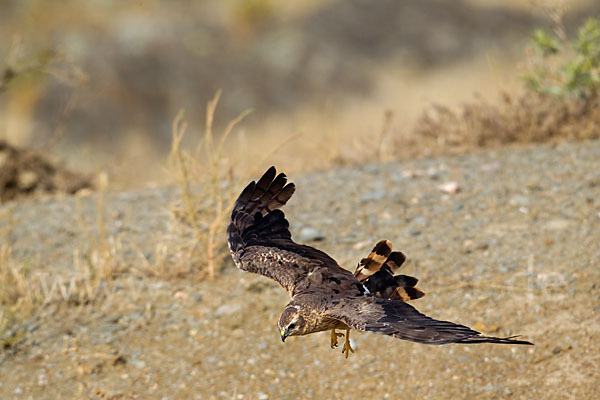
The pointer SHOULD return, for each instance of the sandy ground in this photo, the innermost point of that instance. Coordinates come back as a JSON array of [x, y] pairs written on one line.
[[514, 251]]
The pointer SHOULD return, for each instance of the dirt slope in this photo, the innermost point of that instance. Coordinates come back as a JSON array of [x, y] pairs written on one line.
[[514, 251]]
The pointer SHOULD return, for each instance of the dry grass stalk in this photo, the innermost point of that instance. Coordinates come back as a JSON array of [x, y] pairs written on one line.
[[204, 211], [103, 262], [18, 297]]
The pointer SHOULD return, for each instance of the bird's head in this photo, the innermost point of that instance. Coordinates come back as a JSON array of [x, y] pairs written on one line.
[[291, 322]]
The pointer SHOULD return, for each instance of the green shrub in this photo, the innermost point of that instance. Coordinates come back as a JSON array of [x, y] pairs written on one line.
[[577, 70]]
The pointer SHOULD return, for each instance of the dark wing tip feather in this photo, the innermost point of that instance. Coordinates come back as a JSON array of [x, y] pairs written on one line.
[[492, 339], [281, 197], [259, 199], [244, 197], [265, 181]]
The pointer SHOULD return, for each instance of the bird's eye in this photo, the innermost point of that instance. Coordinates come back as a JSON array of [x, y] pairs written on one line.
[[291, 326]]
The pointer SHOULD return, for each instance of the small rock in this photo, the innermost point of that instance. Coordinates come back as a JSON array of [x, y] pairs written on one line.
[[414, 231], [489, 387], [507, 268], [198, 298], [362, 244], [557, 224], [227, 309], [308, 234], [372, 168], [518, 200], [262, 396], [373, 195], [386, 216], [420, 221], [42, 379], [490, 167], [119, 360], [482, 246], [412, 173], [158, 285], [138, 364], [433, 173], [449, 187], [181, 295]]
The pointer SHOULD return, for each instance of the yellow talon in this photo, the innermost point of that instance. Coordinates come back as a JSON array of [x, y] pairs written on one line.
[[347, 348], [334, 336]]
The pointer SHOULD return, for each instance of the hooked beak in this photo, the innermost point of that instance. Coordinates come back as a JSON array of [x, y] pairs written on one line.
[[284, 333]]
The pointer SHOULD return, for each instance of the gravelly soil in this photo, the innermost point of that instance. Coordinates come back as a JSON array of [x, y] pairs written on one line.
[[514, 251]]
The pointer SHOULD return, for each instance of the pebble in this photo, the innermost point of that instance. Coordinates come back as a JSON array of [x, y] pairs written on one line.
[[308, 234], [518, 200], [449, 187], [372, 168], [227, 309], [420, 221], [373, 195], [414, 231], [42, 379], [138, 364], [557, 224]]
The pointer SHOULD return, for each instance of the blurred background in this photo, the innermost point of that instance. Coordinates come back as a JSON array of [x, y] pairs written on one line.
[[98, 83]]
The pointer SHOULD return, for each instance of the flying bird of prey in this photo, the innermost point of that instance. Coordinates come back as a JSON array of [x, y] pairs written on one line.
[[325, 296]]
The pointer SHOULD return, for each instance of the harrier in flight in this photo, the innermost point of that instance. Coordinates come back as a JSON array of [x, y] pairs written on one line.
[[324, 295]]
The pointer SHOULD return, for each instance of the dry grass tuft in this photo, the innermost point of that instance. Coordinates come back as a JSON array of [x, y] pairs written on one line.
[[102, 263], [18, 297], [206, 180], [530, 117], [95, 269]]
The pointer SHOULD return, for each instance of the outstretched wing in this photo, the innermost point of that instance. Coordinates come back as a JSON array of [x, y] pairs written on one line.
[[259, 237], [401, 320]]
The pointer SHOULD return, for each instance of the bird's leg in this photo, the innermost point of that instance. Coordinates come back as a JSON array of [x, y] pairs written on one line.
[[347, 348], [334, 336]]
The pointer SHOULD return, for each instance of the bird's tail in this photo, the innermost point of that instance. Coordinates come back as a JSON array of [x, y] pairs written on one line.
[[376, 273]]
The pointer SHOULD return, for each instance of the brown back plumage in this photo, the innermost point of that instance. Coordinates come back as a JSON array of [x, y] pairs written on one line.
[[376, 272]]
